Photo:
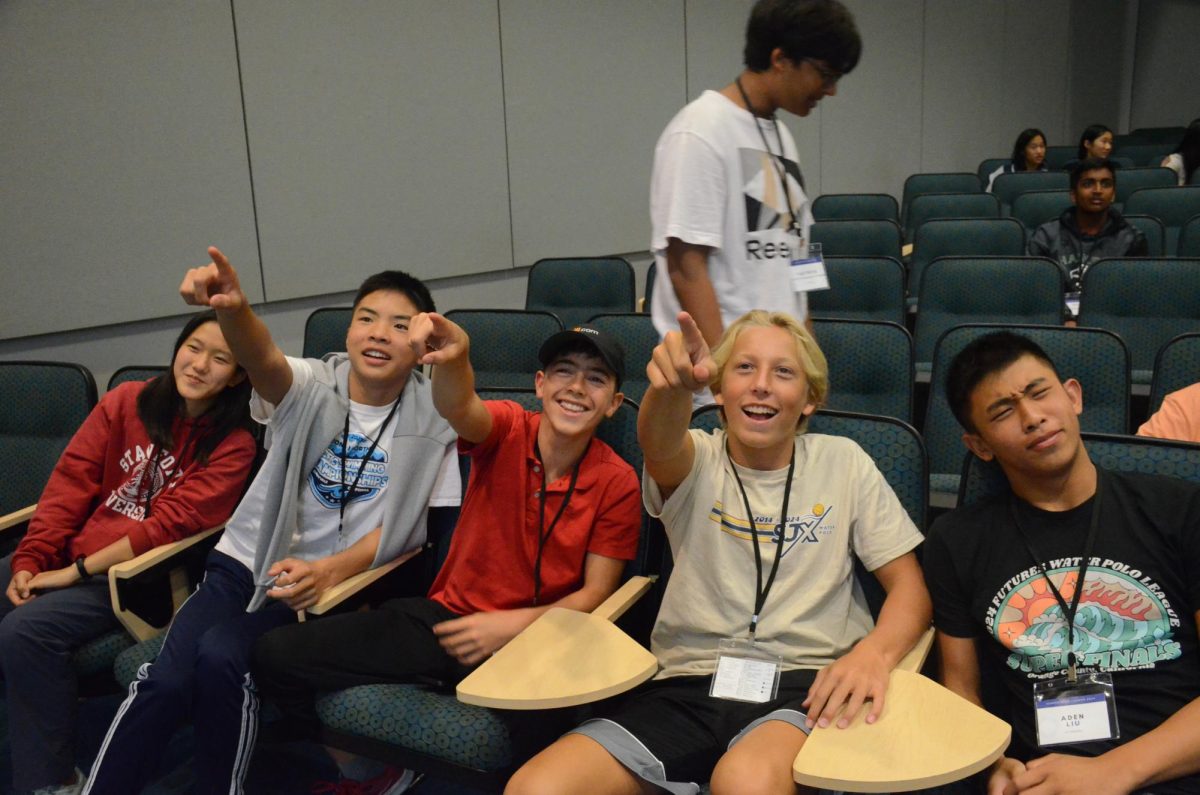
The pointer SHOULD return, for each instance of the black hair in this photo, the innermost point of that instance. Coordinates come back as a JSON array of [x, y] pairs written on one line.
[[1090, 133], [982, 357], [819, 29], [1090, 164], [159, 404], [1189, 149], [1018, 152], [397, 282]]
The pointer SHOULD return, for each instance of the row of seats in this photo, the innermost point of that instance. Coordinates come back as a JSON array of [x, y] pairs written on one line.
[[851, 223]]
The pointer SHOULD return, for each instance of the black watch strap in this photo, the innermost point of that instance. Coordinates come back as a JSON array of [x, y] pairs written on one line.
[[83, 572]]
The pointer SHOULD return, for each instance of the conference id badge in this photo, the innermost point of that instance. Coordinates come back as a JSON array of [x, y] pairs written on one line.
[[745, 672], [1075, 712], [1072, 301], [808, 271]]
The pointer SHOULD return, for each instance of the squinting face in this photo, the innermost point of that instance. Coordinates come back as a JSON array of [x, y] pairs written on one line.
[[577, 393], [1026, 419], [1095, 191], [377, 342], [1101, 146], [1035, 152], [764, 394], [203, 367]]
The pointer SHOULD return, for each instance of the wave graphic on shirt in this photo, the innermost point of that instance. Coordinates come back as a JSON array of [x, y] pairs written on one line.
[[1121, 623], [325, 480]]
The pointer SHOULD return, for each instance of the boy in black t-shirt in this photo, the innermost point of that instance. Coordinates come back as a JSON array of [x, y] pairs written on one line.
[[1003, 575]]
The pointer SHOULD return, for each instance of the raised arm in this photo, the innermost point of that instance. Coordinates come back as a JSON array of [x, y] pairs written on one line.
[[216, 285], [445, 345], [680, 365]]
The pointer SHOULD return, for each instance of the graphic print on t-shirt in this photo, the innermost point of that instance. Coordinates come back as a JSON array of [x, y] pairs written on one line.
[[1124, 619], [326, 480], [766, 204], [800, 528]]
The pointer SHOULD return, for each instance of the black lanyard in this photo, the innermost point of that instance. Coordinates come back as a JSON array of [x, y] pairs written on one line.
[[543, 531], [760, 593], [148, 493], [794, 223], [1068, 610], [347, 493]]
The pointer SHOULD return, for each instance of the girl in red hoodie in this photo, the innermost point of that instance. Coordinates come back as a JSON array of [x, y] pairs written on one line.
[[154, 462]]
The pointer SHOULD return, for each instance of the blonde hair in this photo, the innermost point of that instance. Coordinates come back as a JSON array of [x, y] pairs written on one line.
[[812, 360]]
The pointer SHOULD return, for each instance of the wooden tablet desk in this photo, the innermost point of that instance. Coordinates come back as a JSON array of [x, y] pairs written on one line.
[[926, 736]]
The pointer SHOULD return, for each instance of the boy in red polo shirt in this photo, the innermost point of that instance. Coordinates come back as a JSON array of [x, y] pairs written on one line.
[[514, 553]]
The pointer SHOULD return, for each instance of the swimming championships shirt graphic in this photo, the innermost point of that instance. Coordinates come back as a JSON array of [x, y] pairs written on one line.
[[325, 480]]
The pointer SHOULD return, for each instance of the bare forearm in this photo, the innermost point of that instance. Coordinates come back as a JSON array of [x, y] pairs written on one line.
[[687, 267], [1168, 752], [905, 615], [455, 399], [352, 560], [663, 422], [102, 560]]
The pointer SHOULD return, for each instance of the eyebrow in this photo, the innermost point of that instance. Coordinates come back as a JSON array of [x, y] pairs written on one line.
[[371, 311], [1008, 401]]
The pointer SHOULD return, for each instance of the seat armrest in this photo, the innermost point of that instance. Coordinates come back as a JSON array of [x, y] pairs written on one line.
[[159, 556], [624, 597], [17, 517], [351, 585]]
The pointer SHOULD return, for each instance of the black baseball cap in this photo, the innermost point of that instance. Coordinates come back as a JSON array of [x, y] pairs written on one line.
[[604, 346]]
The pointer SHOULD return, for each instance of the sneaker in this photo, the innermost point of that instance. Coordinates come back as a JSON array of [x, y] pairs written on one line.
[[390, 782], [70, 789]]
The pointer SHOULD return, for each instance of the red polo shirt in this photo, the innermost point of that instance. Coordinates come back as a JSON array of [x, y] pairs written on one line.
[[492, 554]]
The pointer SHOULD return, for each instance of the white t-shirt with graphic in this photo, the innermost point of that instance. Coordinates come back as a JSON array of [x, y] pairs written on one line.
[[841, 506], [713, 185], [318, 515]]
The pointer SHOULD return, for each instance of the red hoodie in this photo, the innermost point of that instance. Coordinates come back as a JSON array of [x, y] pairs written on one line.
[[96, 493]]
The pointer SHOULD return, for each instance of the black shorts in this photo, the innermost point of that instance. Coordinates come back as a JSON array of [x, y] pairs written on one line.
[[671, 732]]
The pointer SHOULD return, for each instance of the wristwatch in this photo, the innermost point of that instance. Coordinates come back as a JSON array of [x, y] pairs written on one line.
[[83, 572]]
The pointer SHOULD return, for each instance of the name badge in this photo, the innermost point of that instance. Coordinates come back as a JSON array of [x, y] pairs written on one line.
[[808, 272], [1075, 712], [1072, 301], [745, 672]]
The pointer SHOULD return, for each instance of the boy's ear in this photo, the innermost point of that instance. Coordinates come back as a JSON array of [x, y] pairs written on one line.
[[978, 446], [538, 380], [617, 399], [238, 377]]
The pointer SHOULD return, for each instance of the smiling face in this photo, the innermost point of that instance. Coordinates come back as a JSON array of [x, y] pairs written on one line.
[[1099, 147], [377, 342], [764, 395], [1095, 191], [203, 367], [577, 392], [1028, 420]]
